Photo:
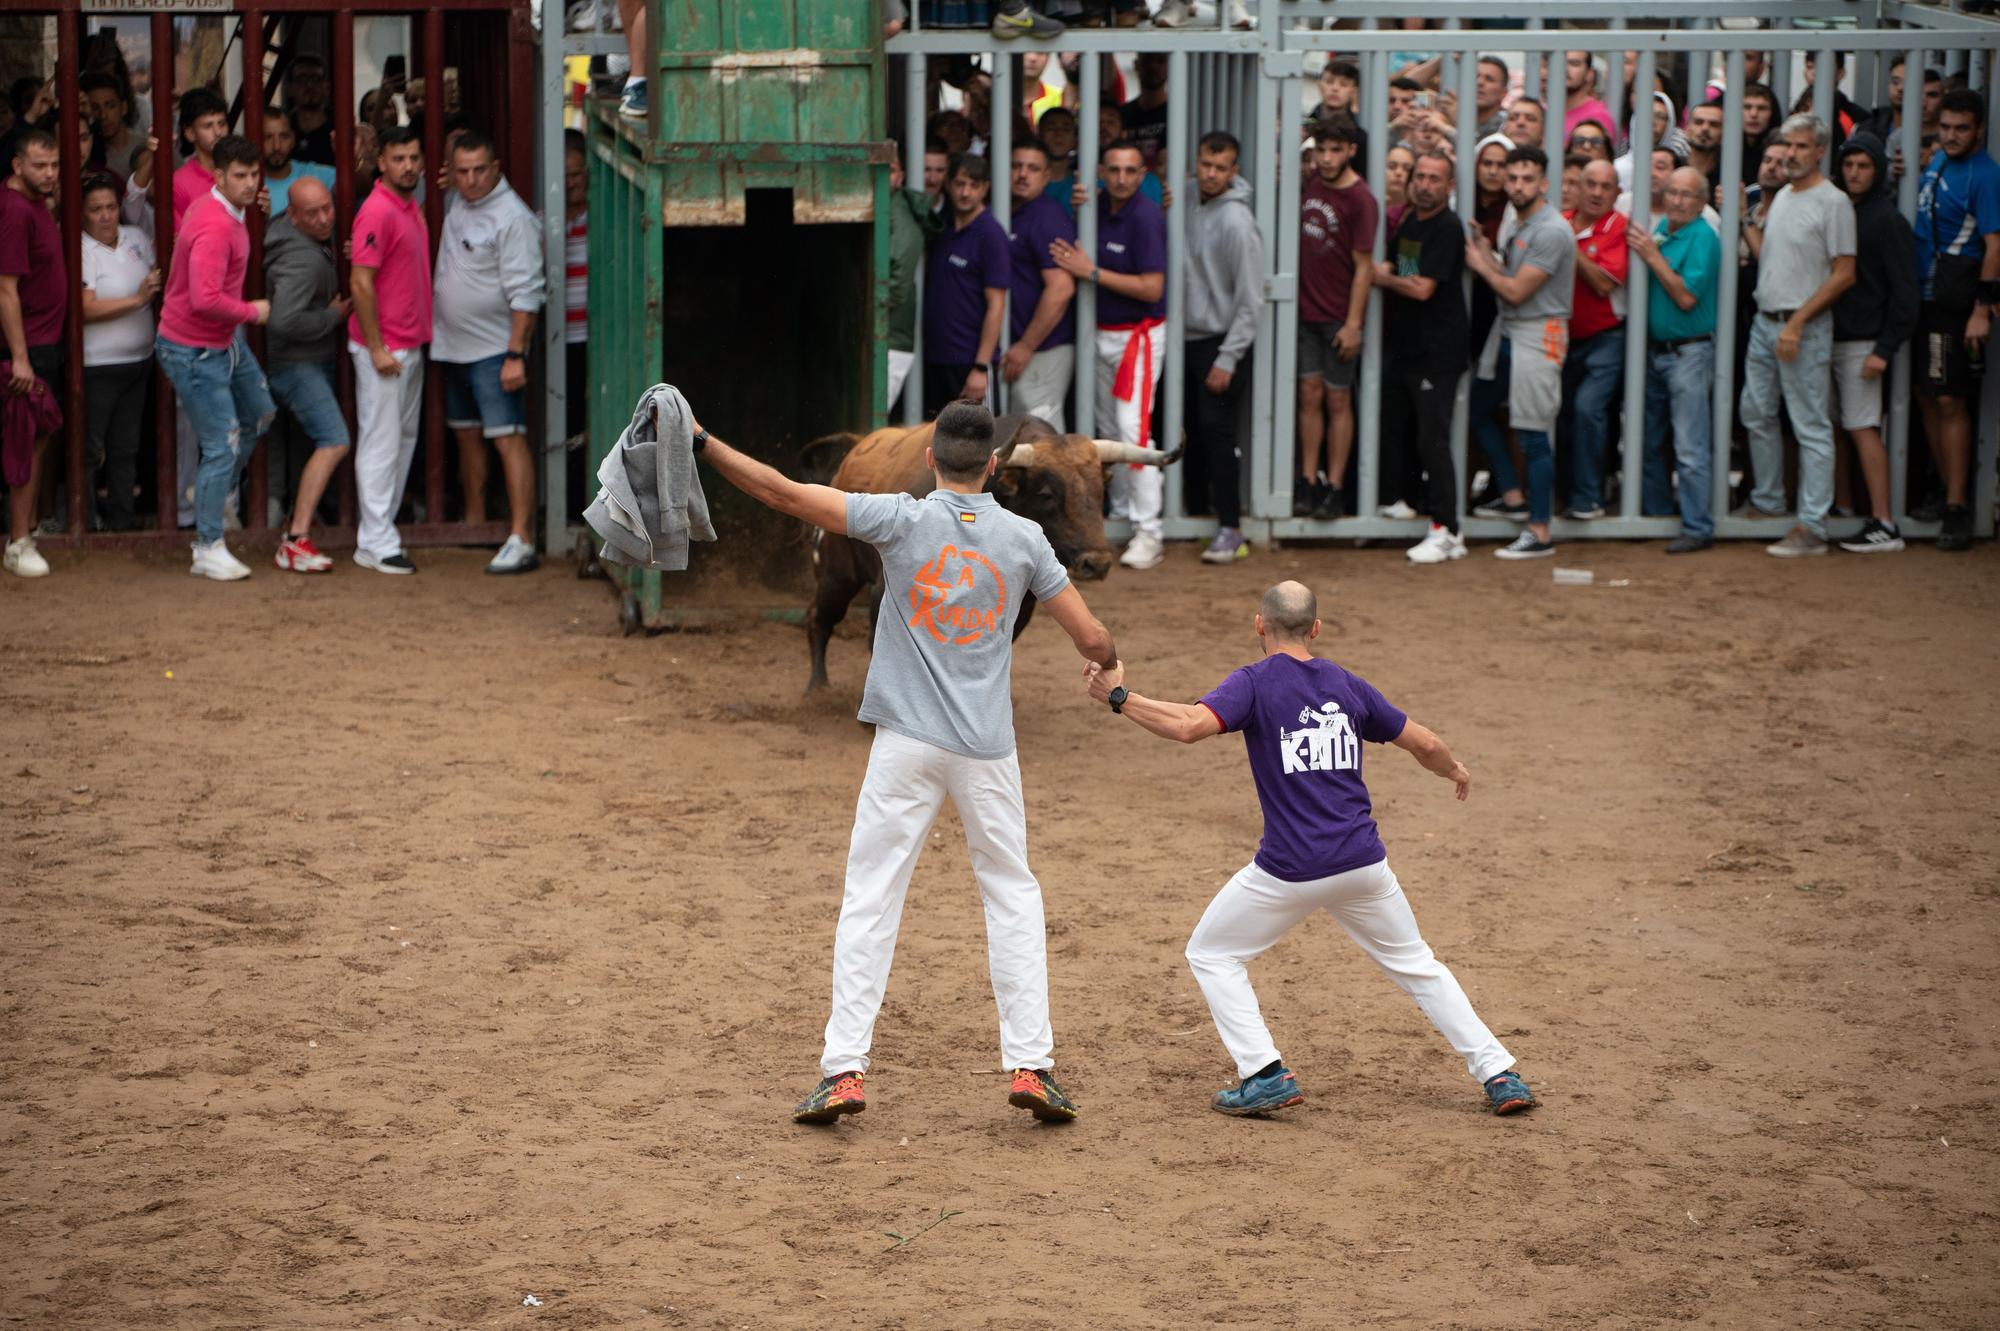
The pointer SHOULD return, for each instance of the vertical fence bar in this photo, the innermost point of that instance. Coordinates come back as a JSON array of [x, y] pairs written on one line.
[[1826, 102], [1614, 80], [436, 441], [1086, 239], [914, 123], [1553, 113], [555, 281], [1727, 289], [1906, 201], [253, 129], [1000, 193], [1367, 395], [1986, 431], [1531, 68], [1179, 174], [1636, 275], [1779, 69], [341, 76], [1268, 135], [166, 420], [1286, 171], [1467, 186], [69, 123]]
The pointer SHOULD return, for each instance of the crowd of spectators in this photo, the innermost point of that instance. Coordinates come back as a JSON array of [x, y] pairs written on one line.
[[1834, 282], [191, 314]]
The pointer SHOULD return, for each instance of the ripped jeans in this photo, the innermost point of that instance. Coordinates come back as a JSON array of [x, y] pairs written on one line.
[[230, 406]]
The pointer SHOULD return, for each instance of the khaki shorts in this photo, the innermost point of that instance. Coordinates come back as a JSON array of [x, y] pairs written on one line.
[[1535, 375], [1859, 400]]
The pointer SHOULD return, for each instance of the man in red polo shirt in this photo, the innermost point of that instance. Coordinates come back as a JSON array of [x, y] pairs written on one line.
[[1596, 364], [204, 119], [391, 281], [34, 287]]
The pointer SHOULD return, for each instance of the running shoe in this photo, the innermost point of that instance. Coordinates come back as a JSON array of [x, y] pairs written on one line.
[[632, 102], [24, 560], [1798, 544], [1036, 1091], [299, 555], [1874, 538], [1227, 547], [1018, 20], [398, 564], [1437, 547], [1262, 1094], [830, 1099], [1955, 528], [1500, 508], [516, 556], [1508, 1094], [1525, 546]]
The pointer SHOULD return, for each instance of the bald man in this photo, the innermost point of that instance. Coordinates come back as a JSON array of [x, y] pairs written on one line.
[[1684, 254], [308, 319], [1303, 719]]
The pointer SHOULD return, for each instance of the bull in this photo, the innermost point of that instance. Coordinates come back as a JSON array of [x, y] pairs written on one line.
[[1056, 480]]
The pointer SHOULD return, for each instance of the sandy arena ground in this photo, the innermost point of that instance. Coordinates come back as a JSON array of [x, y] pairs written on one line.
[[378, 952]]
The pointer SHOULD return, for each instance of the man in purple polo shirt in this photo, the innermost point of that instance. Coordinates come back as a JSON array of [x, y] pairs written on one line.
[[1041, 358], [1303, 721], [1131, 275], [965, 291]]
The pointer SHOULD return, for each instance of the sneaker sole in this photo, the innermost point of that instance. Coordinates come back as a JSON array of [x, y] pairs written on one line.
[[379, 568], [830, 1113], [528, 567], [1041, 1109], [1261, 1110], [1507, 1107], [1888, 548], [1522, 554], [1795, 554]]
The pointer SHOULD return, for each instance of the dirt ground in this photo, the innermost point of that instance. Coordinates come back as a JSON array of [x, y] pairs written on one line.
[[383, 951]]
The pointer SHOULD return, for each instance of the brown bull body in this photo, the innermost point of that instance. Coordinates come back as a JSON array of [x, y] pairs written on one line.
[[1062, 488]]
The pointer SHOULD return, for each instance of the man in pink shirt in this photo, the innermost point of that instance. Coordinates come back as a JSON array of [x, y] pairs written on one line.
[[1582, 102], [391, 287], [201, 347], [204, 120]]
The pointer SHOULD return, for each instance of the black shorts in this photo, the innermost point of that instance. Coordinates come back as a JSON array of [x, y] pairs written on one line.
[[50, 362], [1942, 369]]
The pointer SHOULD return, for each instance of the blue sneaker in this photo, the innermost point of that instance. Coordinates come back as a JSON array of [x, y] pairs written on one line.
[[1508, 1094], [1261, 1095], [632, 102]]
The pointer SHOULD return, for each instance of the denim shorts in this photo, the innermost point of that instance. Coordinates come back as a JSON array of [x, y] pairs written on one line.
[[305, 388], [473, 397], [1317, 357]]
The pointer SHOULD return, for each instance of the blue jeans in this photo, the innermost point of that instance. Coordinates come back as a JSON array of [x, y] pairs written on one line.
[[1679, 387], [1591, 375], [1803, 385], [473, 398], [1488, 396], [222, 388], [305, 388]]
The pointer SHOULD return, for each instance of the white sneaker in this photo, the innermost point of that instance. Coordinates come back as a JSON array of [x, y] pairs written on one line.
[[1173, 14], [1143, 552], [1239, 16], [517, 556], [215, 561], [1437, 547], [24, 560], [1398, 510]]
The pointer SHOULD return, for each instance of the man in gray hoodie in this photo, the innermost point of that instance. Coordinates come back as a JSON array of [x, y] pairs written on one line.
[[1225, 288], [301, 343]]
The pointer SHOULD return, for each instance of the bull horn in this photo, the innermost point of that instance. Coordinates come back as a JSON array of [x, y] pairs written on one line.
[[1020, 455], [1110, 451]]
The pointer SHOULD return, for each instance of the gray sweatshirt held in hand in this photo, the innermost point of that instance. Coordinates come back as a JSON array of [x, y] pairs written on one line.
[[1225, 270], [299, 274], [650, 503]]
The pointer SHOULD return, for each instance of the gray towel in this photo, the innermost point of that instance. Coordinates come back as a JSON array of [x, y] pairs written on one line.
[[650, 503]]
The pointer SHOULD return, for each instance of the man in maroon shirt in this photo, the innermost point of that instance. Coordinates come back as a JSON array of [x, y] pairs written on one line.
[[34, 296], [1336, 265]]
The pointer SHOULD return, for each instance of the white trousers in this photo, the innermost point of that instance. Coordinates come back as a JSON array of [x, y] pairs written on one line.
[[1254, 910], [1043, 385], [386, 413], [1137, 493], [899, 372], [907, 783]]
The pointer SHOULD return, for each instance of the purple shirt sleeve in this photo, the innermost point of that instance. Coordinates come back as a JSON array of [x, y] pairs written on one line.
[[1233, 700], [994, 263], [1385, 721], [1149, 245]]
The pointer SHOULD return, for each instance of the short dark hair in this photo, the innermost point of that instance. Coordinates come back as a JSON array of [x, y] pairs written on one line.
[[235, 150], [395, 137], [1220, 141], [1933, 75], [96, 181], [1057, 111], [962, 441], [1535, 102], [300, 62], [1406, 85], [1034, 145], [1528, 152], [33, 138], [96, 80], [574, 142], [1966, 102], [1343, 69], [1120, 145], [1761, 90], [935, 145], [1497, 63], [1437, 155], [1339, 127], [199, 102], [1577, 160], [277, 113], [473, 141], [971, 165]]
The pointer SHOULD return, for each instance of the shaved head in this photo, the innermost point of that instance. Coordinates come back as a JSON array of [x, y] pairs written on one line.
[[1289, 610], [310, 206]]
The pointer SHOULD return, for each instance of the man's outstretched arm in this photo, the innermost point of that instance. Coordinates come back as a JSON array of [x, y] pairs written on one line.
[[821, 505], [1092, 639], [1423, 744], [1183, 722]]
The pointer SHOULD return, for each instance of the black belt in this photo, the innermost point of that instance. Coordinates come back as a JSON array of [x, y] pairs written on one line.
[[1676, 343], [1776, 316]]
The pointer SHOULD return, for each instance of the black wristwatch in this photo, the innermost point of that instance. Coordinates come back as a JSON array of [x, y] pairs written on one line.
[[515, 355], [1118, 697], [700, 441]]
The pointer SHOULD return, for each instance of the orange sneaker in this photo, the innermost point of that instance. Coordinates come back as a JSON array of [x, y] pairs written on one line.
[[830, 1099], [1036, 1091]]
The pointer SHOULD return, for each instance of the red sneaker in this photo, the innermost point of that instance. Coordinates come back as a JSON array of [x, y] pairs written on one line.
[[1036, 1091], [299, 555]]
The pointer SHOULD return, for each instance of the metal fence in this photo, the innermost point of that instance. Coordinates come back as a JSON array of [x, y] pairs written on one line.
[[1240, 82]]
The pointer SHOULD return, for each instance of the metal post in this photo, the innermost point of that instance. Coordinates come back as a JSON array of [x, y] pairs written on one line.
[[1086, 239], [1553, 113], [1179, 162], [1268, 137], [1911, 133], [1634, 450], [69, 125], [1467, 186], [1986, 429], [1367, 396], [341, 76], [914, 122], [1286, 171], [1779, 69], [1726, 292], [1614, 80], [437, 439], [166, 469], [555, 281], [1826, 102], [1531, 68], [257, 477], [1000, 198]]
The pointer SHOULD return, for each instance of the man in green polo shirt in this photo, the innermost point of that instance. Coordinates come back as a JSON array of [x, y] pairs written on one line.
[[1685, 257]]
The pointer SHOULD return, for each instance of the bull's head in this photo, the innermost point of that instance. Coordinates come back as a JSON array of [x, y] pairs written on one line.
[[1058, 481]]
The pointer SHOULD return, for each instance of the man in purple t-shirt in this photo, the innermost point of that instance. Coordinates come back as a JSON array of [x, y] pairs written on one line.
[[34, 299], [1303, 720], [965, 291], [1041, 354]]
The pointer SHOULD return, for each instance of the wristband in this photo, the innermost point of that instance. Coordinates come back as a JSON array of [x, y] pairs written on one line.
[[700, 441], [515, 355]]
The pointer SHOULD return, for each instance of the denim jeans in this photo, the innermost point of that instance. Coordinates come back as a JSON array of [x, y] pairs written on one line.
[[1679, 387], [226, 397], [1805, 387], [1488, 395], [306, 388], [1591, 376]]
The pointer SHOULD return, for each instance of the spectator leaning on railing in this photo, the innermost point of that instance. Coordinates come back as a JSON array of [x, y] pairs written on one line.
[[1684, 254], [34, 300], [120, 279]]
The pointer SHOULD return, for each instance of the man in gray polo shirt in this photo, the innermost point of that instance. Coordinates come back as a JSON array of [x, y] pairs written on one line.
[[955, 566], [1805, 260]]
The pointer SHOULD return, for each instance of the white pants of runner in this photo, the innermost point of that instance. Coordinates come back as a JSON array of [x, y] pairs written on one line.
[[1043, 385], [386, 412], [1137, 493], [907, 783], [899, 372], [1254, 910]]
